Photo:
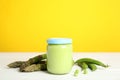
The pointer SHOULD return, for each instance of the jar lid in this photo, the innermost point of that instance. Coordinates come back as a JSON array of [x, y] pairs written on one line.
[[59, 41]]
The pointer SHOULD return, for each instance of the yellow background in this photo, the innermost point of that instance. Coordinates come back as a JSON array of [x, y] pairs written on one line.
[[94, 25]]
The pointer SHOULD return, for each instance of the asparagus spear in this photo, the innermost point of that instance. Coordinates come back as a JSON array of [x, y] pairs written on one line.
[[15, 64], [33, 60], [35, 67]]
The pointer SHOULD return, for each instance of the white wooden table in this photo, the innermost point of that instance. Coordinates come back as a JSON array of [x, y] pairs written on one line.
[[111, 73]]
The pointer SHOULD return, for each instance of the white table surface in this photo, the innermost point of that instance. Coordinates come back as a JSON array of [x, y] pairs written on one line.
[[111, 73]]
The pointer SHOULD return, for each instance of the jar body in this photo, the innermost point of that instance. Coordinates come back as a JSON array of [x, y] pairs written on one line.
[[59, 58]]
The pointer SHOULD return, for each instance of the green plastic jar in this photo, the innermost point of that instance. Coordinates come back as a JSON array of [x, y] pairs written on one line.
[[59, 55]]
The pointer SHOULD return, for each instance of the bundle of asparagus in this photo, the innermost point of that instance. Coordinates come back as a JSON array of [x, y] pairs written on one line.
[[36, 63]]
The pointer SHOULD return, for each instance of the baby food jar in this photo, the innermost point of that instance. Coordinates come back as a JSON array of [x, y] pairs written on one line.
[[59, 55]]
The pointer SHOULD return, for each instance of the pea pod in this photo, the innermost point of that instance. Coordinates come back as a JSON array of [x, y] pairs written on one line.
[[92, 67], [84, 67], [76, 72], [92, 61]]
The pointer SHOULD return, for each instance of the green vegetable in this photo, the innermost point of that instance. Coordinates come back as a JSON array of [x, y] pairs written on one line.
[[92, 61], [84, 67], [33, 60], [92, 67], [35, 67], [76, 72], [15, 64], [33, 64]]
